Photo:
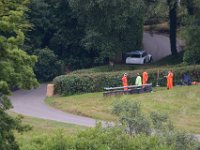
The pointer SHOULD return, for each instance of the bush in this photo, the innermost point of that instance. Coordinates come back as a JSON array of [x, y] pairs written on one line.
[[98, 138], [48, 65], [192, 55], [191, 35], [157, 127], [59, 142], [131, 115], [75, 83], [113, 138]]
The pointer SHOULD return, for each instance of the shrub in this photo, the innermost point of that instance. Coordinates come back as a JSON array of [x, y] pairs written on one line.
[[131, 115], [75, 83], [157, 127], [98, 138], [158, 119], [77, 62], [114, 138], [192, 55], [59, 142], [48, 65], [191, 35]]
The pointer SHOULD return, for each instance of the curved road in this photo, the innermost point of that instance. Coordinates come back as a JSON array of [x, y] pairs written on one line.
[[158, 45], [31, 103]]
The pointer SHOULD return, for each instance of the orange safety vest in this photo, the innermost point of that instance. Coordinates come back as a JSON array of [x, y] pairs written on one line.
[[144, 77], [125, 83], [170, 80]]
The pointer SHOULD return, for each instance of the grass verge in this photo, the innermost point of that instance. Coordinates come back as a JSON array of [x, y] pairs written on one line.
[[43, 128], [182, 104], [167, 62]]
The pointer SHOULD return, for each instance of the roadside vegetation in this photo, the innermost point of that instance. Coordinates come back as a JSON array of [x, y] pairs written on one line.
[[137, 131], [40, 130], [181, 104]]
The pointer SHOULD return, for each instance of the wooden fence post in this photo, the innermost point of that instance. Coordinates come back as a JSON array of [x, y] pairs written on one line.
[[50, 90]]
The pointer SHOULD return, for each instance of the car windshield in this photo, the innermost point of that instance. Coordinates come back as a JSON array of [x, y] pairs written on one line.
[[135, 56], [144, 54]]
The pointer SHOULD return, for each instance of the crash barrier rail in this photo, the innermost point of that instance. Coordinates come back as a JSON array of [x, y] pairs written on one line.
[[133, 89]]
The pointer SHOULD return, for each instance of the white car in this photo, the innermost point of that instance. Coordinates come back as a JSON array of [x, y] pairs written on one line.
[[138, 57]]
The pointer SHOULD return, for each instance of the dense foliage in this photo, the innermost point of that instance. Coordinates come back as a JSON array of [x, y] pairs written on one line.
[[55, 26], [82, 38], [192, 33], [111, 27], [15, 65], [113, 138], [84, 82], [48, 66]]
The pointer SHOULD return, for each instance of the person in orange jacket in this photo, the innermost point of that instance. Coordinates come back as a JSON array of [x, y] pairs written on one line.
[[144, 77], [170, 80], [125, 82]]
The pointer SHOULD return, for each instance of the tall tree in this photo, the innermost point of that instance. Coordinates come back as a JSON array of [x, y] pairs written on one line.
[[111, 27], [43, 29], [15, 65], [56, 26], [173, 4]]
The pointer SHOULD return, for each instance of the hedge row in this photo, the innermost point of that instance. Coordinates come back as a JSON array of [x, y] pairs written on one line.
[[95, 82]]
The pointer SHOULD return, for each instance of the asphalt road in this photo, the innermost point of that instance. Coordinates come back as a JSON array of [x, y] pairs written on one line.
[[31, 103], [158, 45]]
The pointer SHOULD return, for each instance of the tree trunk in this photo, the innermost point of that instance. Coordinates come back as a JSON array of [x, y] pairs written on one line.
[[173, 22]]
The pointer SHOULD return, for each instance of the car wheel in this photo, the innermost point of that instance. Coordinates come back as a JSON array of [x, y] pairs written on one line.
[[150, 60], [144, 61]]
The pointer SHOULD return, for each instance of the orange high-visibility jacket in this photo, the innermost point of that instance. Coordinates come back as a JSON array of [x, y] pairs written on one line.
[[144, 77], [170, 80], [124, 82]]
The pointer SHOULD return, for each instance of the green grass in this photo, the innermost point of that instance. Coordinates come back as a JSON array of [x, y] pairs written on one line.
[[91, 105], [43, 128], [182, 104], [165, 63]]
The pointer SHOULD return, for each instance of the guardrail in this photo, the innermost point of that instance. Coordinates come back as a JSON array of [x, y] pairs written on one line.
[[133, 89]]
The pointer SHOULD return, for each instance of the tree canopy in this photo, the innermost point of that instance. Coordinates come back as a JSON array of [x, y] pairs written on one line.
[[192, 32], [83, 37], [15, 65], [111, 27]]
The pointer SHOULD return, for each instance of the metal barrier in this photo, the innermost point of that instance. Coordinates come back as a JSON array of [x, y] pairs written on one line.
[[133, 89]]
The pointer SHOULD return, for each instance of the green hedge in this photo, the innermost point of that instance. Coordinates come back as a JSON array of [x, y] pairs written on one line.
[[95, 82]]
